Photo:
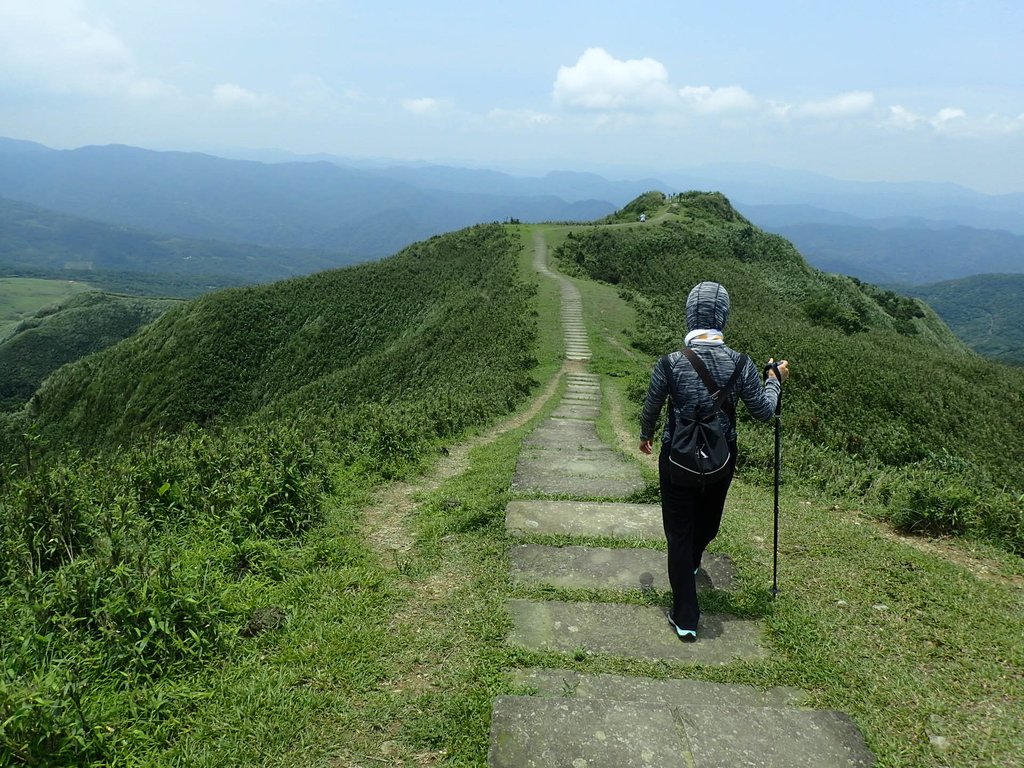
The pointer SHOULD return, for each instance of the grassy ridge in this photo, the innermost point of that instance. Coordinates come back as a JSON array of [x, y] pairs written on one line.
[[415, 326], [884, 401], [131, 574]]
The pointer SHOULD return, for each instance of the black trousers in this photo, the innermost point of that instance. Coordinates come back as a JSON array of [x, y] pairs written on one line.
[[691, 517]]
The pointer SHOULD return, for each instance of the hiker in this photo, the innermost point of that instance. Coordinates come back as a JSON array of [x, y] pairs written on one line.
[[692, 513]]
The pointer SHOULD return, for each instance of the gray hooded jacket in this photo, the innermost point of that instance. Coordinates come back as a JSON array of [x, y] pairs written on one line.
[[707, 307]]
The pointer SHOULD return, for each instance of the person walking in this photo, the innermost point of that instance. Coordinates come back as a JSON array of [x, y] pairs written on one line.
[[692, 513]]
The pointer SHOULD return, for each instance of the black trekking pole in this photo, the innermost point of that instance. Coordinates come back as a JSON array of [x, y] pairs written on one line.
[[778, 478]]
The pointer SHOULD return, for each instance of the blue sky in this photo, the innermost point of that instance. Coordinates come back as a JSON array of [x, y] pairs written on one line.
[[899, 90]]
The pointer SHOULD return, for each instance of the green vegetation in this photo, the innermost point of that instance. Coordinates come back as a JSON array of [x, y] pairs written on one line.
[[885, 403], [179, 286], [21, 298], [64, 332], [200, 567], [985, 311], [165, 551]]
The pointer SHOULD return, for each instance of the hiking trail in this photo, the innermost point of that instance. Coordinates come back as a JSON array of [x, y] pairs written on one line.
[[583, 720]]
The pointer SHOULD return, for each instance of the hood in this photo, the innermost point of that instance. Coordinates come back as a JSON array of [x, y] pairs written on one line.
[[707, 307]]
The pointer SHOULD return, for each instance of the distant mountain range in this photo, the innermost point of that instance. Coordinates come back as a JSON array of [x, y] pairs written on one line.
[[341, 210], [317, 205], [34, 238], [902, 255]]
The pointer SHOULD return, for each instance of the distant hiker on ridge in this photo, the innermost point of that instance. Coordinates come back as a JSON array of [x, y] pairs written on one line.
[[703, 382]]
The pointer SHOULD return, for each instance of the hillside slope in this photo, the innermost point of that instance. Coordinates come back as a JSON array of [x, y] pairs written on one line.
[[985, 311], [313, 346], [63, 333]]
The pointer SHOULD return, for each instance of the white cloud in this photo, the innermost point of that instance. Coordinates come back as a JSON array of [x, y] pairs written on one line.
[[599, 81], [234, 96], [516, 118], [945, 115], [956, 123], [901, 117], [423, 106], [707, 100], [51, 44], [844, 105]]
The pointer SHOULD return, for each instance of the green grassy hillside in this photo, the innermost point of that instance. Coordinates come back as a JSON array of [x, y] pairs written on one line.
[[136, 547], [986, 311], [22, 297], [414, 326], [188, 568], [65, 332], [884, 401]]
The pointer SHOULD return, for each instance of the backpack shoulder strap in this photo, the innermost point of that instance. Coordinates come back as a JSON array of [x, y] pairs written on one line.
[[714, 390]]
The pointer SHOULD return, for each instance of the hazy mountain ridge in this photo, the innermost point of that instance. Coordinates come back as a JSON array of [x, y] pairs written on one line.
[[296, 205], [899, 255], [32, 237], [55, 336], [370, 210]]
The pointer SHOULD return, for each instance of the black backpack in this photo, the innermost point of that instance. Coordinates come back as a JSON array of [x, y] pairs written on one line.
[[699, 453]]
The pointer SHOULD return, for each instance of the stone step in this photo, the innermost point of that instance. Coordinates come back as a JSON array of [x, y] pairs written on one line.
[[577, 434], [530, 478], [578, 396], [527, 732], [571, 410], [604, 568], [630, 632], [599, 462], [675, 692], [599, 733], [580, 518]]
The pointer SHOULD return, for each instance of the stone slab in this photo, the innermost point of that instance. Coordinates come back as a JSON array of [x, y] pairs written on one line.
[[597, 461], [532, 479], [629, 631], [568, 410], [669, 692], [530, 732], [604, 568], [559, 438], [564, 733], [582, 397], [741, 737], [580, 518]]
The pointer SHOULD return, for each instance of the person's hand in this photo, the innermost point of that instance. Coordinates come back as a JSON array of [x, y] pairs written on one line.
[[783, 369], [645, 447]]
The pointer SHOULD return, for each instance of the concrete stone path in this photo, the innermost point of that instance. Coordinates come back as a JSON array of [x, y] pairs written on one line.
[[586, 536]]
